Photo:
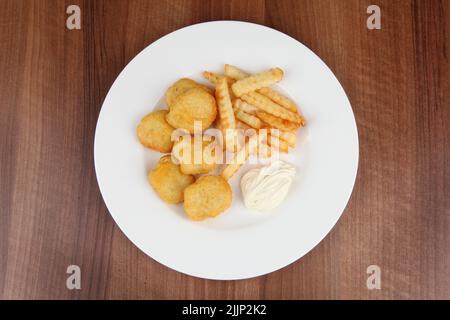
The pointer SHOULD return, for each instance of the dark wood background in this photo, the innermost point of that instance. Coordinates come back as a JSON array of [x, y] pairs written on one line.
[[52, 85]]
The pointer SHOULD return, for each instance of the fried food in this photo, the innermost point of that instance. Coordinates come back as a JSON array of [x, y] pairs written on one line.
[[234, 72], [253, 118], [207, 197], [276, 122], [154, 132], [257, 81], [241, 125], [267, 105], [240, 157], [195, 157], [168, 180], [279, 98], [288, 136], [226, 113], [181, 86], [278, 144], [214, 77], [224, 105], [238, 104], [249, 119], [190, 106], [237, 74]]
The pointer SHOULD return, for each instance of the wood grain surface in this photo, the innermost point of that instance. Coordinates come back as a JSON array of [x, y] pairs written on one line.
[[52, 85]]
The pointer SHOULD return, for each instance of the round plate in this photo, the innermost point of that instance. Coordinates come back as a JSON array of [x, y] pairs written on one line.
[[240, 243]]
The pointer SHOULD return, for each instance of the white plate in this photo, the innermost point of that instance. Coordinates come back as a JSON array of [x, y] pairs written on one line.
[[240, 243]]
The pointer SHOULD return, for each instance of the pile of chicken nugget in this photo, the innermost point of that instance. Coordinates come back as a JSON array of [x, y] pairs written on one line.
[[238, 101]]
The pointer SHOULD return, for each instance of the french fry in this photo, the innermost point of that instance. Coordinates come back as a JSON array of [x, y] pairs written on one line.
[[279, 98], [238, 104], [288, 136], [240, 157], [234, 72], [275, 142], [264, 151], [276, 122], [267, 105], [241, 125], [238, 74], [248, 119], [257, 81], [227, 120], [224, 105], [214, 77]]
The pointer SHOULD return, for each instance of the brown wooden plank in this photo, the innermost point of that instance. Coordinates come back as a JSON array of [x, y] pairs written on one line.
[[397, 80]]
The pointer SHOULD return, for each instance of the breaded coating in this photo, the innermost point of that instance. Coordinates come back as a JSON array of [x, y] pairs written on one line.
[[181, 86], [196, 161], [168, 180], [154, 132], [207, 197], [193, 105]]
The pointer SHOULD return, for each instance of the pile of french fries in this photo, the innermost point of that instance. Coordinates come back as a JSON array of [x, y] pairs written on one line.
[[247, 101]]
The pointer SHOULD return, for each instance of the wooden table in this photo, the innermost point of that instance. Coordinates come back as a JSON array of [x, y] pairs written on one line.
[[52, 85]]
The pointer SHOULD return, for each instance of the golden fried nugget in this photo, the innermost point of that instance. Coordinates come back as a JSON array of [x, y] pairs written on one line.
[[180, 87], [257, 81], [194, 157], [207, 197], [154, 132], [276, 122], [249, 119], [234, 72], [193, 105], [267, 105], [238, 104], [240, 157], [168, 180], [279, 98]]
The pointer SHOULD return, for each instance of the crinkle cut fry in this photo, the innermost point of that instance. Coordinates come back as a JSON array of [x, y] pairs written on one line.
[[267, 105], [240, 157], [238, 74], [224, 104], [257, 81]]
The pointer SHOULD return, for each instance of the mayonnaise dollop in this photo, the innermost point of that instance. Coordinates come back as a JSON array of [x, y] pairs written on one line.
[[265, 188]]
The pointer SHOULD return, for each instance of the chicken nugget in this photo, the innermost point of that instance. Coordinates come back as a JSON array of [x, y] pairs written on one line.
[[168, 180], [180, 87], [195, 157], [207, 197], [154, 132], [194, 105]]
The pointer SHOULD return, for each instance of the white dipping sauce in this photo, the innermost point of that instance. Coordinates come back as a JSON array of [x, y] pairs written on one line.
[[265, 188]]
